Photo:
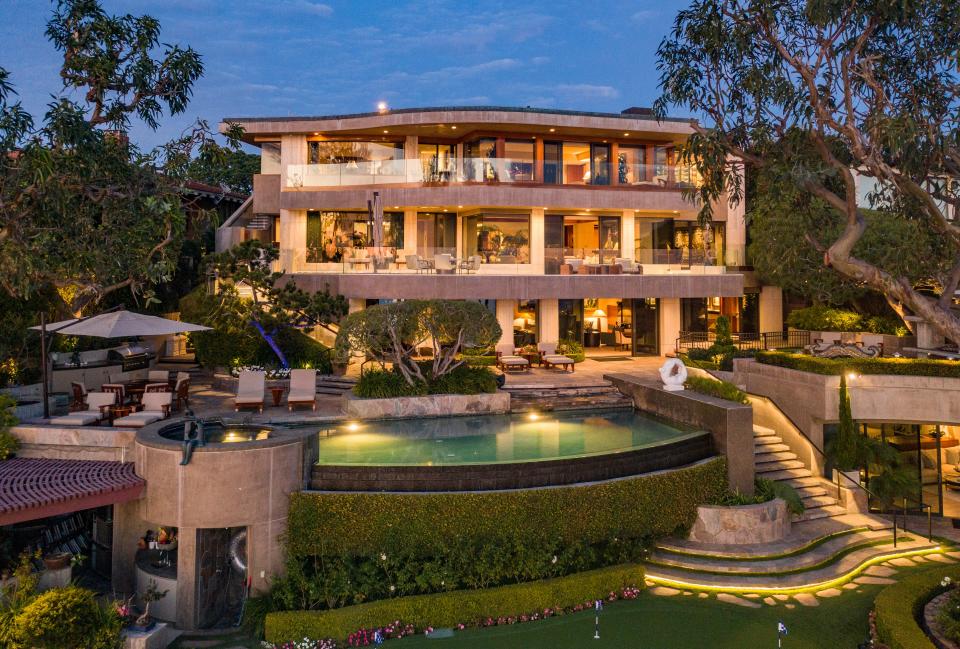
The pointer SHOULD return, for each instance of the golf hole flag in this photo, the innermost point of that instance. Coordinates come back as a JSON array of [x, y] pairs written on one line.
[[781, 628]]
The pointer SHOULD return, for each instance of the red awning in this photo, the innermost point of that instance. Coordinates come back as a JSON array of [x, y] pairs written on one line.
[[32, 488]]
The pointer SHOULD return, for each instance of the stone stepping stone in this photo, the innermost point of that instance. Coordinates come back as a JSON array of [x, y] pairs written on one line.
[[703, 595], [806, 599], [829, 592], [880, 571], [790, 605], [752, 596], [850, 586], [733, 599], [686, 593], [769, 601], [902, 561], [939, 558], [780, 597], [955, 554], [873, 580], [664, 591]]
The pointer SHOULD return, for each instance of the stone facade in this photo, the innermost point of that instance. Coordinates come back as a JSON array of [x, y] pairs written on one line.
[[746, 524], [434, 405]]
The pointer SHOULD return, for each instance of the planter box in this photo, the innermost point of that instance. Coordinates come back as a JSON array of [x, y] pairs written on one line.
[[434, 405], [741, 525]]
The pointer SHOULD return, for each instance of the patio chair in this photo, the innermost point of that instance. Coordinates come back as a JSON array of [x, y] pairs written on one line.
[[158, 376], [628, 265], [303, 389], [79, 396], [444, 263], [472, 264], [622, 338], [118, 388], [157, 387], [181, 393], [250, 390], [508, 360], [155, 406], [549, 357], [414, 263], [98, 409]]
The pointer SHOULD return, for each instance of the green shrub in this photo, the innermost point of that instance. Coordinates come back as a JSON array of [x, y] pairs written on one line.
[[9, 444], [387, 384], [451, 608], [824, 318], [65, 618], [571, 348], [770, 489], [384, 384], [899, 606], [480, 361], [716, 388], [699, 354], [654, 505], [465, 379], [300, 350], [837, 366], [948, 618]]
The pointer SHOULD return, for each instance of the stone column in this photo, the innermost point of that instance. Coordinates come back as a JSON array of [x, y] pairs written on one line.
[[536, 241], [736, 231], [293, 151], [627, 235], [293, 240], [411, 148], [771, 309], [669, 324], [409, 230], [548, 321], [505, 311]]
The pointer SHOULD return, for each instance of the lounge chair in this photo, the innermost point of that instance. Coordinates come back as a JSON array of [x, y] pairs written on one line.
[[443, 263], [98, 409], [508, 360], [181, 393], [158, 376], [79, 396], [156, 387], [119, 389], [549, 357], [155, 406], [303, 389], [471, 265], [250, 390]]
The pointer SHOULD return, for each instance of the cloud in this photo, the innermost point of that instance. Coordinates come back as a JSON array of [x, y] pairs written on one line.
[[587, 90], [455, 72], [644, 15], [540, 60], [305, 6]]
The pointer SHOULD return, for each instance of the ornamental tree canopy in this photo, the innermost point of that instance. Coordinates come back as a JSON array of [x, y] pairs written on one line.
[[813, 93]]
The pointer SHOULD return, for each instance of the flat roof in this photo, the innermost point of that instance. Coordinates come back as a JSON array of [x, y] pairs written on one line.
[[431, 109]]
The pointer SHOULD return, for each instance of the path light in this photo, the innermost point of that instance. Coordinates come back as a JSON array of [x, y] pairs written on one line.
[[533, 416], [353, 426], [382, 106], [851, 376]]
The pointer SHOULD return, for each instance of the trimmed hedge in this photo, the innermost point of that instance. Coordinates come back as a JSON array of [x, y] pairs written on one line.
[[717, 388], [367, 523], [899, 607], [464, 379], [837, 366], [451, 608]]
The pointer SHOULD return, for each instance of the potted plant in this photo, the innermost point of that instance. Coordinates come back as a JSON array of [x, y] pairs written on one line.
[[150, 595], [57, 560]]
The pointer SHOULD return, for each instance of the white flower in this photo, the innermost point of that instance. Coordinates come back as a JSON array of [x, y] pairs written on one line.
[[383, 556], [554, 559], [392, 588]]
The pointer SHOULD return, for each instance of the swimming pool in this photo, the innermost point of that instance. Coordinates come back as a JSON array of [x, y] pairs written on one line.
[[494, 439]]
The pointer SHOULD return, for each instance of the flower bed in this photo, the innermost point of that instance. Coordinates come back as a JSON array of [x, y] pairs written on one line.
[[837, 366], [460, 609]]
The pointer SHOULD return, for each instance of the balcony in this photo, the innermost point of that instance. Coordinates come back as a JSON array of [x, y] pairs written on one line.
[[484, 171]]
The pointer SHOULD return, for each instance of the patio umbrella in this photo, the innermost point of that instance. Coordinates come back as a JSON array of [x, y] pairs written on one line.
[[112, 324]]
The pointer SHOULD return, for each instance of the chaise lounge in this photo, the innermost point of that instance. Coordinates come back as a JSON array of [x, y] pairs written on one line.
[[549, 357], [508, 360], [250, 390], [155, 406], [303, 389], [98, 409]]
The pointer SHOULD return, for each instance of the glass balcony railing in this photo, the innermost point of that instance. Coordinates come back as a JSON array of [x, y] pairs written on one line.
[[478, 170], [425, 260]]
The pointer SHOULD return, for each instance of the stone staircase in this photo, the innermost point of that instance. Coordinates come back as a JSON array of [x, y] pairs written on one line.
[[334, 385], [775, 461], [557, 398], [818, 555]]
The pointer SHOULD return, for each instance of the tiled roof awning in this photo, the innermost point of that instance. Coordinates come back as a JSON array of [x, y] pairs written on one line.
[[32, 488]]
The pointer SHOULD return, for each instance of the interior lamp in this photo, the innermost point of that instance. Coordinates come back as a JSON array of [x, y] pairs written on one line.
[[599, 313], [519, 323]]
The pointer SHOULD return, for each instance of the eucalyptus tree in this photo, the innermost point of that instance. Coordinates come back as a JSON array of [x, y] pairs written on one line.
[[813, 93], [83, 212]]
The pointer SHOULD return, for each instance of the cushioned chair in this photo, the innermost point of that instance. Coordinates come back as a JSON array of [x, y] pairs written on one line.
[[79, 396], [98, 409], [155, 406], [549, 357], [303, 389], [250, 390], [181, 393], [443, 263], [471, 265], [508, 360], [118, 388], [157, 387]]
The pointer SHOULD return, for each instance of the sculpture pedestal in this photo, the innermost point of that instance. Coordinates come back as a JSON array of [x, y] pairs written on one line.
[[159, 637]]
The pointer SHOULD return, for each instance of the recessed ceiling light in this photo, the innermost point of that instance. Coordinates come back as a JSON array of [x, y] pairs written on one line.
[[676, 211], [553, 130], [459, 206], [603, 141], [316, 134], [396, 207], [385, 131], [626, 135], [588, 210], [444, 209], [454, 127]]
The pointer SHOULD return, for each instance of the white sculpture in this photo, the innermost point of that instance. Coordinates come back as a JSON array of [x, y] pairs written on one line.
[[673, 373]]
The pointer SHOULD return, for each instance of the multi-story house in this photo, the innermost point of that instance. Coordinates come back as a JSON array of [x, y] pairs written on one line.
[[572, 225]]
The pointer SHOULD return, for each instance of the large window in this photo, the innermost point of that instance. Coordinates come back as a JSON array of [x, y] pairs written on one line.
[[436, 233], [479, 164], [498, 238], [553, 163], [699, 246], [270, 158], [331, 235], [338, 152], [631, 167], [653, 241], [520, 158], [595, 240], [438, 161], [576, 163]]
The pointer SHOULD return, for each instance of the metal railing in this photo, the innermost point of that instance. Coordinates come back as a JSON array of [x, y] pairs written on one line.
[[765, 341]]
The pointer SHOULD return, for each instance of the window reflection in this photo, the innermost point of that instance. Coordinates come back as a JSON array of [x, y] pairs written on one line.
[[332, 235], [438, 161], [498, 238]]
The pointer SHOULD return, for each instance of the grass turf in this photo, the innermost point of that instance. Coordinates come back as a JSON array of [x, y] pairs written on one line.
[[681, 622]]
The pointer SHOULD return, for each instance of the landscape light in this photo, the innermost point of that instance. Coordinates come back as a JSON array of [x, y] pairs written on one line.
[[382, 106]]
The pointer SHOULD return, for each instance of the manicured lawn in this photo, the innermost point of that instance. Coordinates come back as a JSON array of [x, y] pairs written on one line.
[[681, 622]]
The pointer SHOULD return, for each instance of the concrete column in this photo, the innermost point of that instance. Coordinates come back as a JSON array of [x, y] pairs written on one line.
[[293, 151], [736, 234], [669, 324], [505, 311], [771, 309], [548, 321], [627, 235], [460, 251], [410, 230], [356, 304], [293, 240], [536, 241], [411, 147]]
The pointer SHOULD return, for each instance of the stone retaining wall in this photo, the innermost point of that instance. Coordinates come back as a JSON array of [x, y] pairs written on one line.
[[433, 405], [930, 621], [741, 525]]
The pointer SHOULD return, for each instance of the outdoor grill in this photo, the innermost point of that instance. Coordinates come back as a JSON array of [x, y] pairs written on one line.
[[131, 357]]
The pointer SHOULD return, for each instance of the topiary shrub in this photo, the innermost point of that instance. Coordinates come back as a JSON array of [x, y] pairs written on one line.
[[716, 388], [837, 366], [384, 384]]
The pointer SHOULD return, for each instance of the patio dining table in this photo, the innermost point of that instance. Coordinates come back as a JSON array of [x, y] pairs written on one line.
[[137, 387]]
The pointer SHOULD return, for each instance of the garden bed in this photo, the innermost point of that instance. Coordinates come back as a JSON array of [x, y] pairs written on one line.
[[837, 366], [899, 608], [741, 525]]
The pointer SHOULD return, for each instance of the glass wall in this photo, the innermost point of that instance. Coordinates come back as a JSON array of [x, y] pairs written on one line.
[[599, 164], [270, 158], [646, 326], [520, 160], [631, 165], [552, 163], [498, 238], [699, 246], [436, 233], [653, 241], [438, 161], [594, 239], [525, 323], [338, 152], [576, 163], [553, 250], [479, 163], [571, 320], [609, 230], [661, 164], [331, 235]]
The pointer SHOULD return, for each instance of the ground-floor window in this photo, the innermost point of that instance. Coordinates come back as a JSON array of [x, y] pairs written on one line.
[[699, 314], [604, 325], [525, 323]]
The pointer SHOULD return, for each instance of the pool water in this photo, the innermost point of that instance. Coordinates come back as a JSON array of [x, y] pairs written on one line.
[[217, 433], [491, 439]]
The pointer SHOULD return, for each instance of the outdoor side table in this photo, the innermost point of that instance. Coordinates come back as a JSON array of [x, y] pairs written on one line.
[[277, 392]]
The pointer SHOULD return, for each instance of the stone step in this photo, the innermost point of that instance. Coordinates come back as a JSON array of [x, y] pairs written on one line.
[[747, 580], [549, 393], [811, 502], [802, 482], [761, 445], [763, 431], [778, 465], [809, 490], [783, 474], [763, 455], [824, 552], [813, 513]]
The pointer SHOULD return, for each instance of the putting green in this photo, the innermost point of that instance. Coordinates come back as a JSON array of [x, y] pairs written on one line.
[[682, 622]]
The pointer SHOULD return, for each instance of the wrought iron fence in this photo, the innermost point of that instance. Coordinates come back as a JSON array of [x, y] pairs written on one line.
[[745, 341]]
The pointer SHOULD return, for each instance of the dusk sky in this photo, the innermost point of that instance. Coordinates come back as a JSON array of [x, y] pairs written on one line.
[[306, 57]]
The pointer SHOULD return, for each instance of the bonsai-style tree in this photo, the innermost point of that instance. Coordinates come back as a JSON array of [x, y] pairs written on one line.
[[813, 94], [846, 450], [251, 294], [392, 333], [83, 212]]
